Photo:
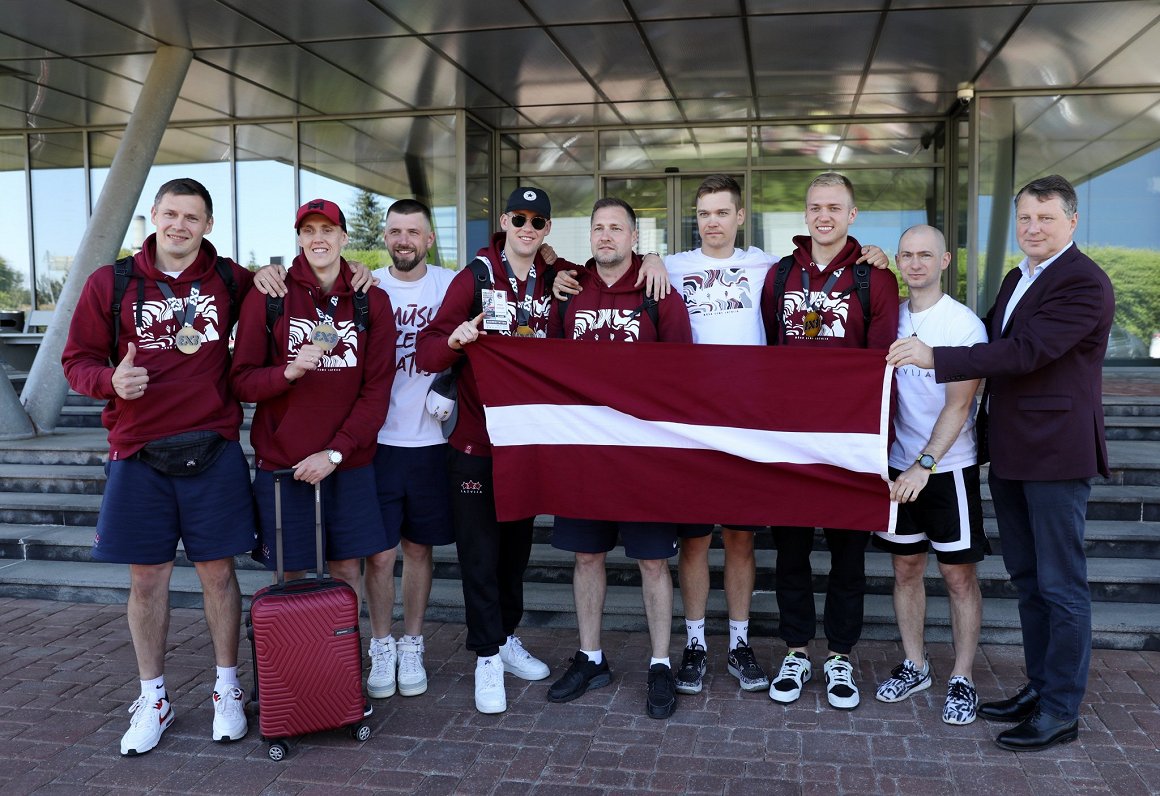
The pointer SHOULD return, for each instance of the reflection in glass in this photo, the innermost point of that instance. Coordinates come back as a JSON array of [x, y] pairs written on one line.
[[59, 214], [649, 199], [389, 159], [15, 267]]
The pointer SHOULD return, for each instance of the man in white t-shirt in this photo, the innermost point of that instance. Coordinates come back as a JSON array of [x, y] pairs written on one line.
[[933, 462], [410, 462]]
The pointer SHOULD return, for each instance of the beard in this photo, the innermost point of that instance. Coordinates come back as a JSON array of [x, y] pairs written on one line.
[[405, 265]]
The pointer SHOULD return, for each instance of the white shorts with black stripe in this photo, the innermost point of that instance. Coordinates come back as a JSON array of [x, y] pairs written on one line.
[[947, 517]]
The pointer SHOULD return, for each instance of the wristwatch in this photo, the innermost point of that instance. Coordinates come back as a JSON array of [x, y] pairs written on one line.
[[927, 462], [333, 456]]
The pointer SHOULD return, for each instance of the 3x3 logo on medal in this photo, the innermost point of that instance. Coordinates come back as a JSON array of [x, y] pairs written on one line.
[[470, 487]]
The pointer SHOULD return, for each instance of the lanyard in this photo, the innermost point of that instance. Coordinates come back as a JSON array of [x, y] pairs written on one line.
[[810, 302], [323, 316], [183, 314], [524, 302]]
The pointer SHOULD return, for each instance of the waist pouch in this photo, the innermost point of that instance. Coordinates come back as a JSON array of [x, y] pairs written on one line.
[[190, 453]]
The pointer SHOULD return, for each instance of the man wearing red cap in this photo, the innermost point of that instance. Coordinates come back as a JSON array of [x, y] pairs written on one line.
[[320, 371], [492, 555]]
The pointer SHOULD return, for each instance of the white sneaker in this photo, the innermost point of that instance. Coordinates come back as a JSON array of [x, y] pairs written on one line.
[[841, 691], [520, 662], [229, 715], [381, 680], [490, 696], [795, 672], [412, 675], [150, 719]]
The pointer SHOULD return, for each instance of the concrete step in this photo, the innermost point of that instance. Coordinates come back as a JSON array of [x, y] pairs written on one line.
[[1131, 405], [42, 508], [1110, 579], [1116, 625], [1132, 427]]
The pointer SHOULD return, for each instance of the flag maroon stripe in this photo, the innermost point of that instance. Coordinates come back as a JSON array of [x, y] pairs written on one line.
[[665, 485]]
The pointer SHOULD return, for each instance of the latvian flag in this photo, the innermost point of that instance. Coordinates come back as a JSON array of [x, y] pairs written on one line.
[[672, 432]]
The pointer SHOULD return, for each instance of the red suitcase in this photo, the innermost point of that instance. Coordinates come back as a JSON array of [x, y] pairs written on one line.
[[307, 649]]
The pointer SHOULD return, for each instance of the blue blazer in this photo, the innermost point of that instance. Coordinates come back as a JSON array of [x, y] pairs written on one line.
[[1042, 410]]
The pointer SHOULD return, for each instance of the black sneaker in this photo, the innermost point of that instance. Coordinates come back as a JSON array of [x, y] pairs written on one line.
[[692, 671], [582, 676], [744, 666], [662, 692]]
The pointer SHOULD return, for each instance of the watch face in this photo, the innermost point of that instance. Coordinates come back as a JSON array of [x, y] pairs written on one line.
[[926, 461], [335, 457]]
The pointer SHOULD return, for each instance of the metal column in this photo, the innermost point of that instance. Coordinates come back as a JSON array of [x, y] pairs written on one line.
[[46, 388]]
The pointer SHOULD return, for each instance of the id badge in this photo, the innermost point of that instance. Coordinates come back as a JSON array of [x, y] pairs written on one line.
[[495, 311]]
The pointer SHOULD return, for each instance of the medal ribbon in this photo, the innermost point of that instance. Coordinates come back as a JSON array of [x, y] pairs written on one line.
[[183, 314], [524, 303]]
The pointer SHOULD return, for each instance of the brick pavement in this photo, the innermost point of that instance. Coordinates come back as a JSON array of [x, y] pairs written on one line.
[[67, 677]]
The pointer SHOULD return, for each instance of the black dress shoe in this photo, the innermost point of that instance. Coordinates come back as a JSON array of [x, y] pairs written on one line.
[[582, 676], [1039, 731], [1016, 708]]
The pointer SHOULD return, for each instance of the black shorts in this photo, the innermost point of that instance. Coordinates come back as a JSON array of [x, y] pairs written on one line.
[[947, 517]]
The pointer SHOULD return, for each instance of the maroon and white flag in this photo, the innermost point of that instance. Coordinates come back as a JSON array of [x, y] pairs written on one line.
[[672, 432]]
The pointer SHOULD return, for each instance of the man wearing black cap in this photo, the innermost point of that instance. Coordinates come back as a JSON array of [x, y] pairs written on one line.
[[492, 555]]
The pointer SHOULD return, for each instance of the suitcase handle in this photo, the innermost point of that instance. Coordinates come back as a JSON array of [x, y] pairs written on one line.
[[281, 571]]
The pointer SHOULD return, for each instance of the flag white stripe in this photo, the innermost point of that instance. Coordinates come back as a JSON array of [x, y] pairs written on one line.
[[552, 424]]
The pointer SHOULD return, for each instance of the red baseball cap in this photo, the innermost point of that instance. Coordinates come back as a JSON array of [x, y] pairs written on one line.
[[322, 207]]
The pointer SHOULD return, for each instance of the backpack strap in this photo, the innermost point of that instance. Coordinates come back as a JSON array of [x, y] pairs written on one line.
[[862, 287], [122, 275], [784, 266], [274, 307], [479, 267], [227, 276], [362, 311]]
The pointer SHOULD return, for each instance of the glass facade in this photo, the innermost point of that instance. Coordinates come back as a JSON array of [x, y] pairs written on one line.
[[956, 172], [1106, 145]]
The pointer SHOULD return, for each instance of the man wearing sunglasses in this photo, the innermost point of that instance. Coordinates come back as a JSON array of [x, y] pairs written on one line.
[[492, 555]]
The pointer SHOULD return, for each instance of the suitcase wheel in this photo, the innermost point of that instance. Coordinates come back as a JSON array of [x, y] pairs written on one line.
[[360, 732], [278, 750]]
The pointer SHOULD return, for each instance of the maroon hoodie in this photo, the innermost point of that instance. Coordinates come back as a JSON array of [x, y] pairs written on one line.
[[616, 312], [839, 309], [186, 392], [339, 406], [433, 355]]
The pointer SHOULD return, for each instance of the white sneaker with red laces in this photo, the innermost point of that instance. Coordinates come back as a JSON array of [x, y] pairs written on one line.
[[150, 719]]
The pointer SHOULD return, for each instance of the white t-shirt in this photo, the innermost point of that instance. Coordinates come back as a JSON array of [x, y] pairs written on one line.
[[723, 297], [408, 423], [920, 397]]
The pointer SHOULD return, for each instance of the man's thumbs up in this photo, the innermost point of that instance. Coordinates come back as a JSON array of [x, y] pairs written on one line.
[[130, 381]]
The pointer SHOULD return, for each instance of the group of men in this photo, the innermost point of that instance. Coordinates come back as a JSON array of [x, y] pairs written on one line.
[[321, 381]]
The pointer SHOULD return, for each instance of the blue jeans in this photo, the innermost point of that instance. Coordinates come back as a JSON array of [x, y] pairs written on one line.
[[1041, 524]]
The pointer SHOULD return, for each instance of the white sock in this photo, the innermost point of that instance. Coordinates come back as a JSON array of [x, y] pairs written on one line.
[[413, 640], [481, 659], [654, 661], [738, 633], [384, 641], [227, 678], [595, 656], [151, 689], [695, 628]]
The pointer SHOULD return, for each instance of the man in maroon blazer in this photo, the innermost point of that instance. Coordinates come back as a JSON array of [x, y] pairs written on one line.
[[1042, 416]]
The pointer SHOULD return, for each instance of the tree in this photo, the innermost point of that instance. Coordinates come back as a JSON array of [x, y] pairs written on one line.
[[366, 223], [13, 294]]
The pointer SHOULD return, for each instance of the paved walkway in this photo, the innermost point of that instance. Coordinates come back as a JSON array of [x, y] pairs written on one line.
[[67, 677]]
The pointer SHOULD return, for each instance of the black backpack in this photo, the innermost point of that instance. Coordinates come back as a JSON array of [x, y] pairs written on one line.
[[123, 274], [861, 287]]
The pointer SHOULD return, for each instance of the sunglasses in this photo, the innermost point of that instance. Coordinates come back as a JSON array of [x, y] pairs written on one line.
[[538, 222]]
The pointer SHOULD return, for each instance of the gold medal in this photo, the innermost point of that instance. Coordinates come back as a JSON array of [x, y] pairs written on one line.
[[188, 340], [811, 323], [324, 336], [524, 331]]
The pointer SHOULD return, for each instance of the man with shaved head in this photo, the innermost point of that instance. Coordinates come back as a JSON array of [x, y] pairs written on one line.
[[935, 472]]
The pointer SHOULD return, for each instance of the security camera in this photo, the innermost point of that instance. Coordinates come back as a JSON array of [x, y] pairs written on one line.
[[965, 92]]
